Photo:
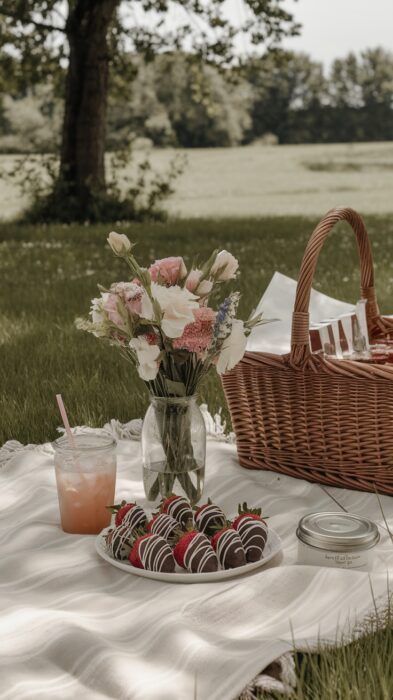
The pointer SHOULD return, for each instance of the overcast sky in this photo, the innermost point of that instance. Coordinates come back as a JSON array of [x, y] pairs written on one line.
[[332, 28]]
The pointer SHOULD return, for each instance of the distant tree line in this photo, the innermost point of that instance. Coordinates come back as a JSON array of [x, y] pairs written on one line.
[[178, 100]]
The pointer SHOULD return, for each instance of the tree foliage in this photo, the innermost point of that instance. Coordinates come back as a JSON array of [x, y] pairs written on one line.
[[177, 99], [85, 39], [37, 31], [294, 100]]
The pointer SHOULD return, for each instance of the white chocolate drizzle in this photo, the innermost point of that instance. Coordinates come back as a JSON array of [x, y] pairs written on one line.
[[164, 525], [180, 509], [155, 553], [134, 518], [118, 542], [210, 516], [199, 553], [253, 534], [229, 543]]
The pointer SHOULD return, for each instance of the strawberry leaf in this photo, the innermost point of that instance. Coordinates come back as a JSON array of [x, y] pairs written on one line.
[[115, 507], [243, 509]]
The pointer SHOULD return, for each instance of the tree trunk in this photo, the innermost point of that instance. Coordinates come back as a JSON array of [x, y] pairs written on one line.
[[82, 166]]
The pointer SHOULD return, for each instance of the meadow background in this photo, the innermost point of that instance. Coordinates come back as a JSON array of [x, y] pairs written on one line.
[[261, 203], [254, 180]]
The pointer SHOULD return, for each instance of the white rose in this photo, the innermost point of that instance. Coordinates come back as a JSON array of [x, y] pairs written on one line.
[[204, 288], [98, 316], [224, 267], [233, 348], [177, 306], [147, 357], [97, 308], [146, 307], [119, 243]]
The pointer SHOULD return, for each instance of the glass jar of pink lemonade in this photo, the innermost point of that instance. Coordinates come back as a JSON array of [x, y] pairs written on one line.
[[86, 479]]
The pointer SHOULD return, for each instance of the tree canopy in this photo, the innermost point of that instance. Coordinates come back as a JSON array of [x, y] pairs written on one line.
[[76, 43], [178, 100]]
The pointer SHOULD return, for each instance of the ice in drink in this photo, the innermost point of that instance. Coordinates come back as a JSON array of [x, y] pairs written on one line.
[[86, 479]]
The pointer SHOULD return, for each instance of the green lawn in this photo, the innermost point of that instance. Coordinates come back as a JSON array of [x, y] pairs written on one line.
[[48, 276], [360, 669]]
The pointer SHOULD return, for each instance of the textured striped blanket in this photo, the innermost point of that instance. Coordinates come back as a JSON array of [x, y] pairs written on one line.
[[72, 626]]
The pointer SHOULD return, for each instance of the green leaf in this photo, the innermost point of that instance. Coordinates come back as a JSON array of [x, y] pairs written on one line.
[[208, 264], [175, 388], [144, 322], [243, 509], [116, 506], [181, 356]]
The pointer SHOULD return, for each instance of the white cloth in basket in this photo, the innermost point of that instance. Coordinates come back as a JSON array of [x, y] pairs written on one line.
[[278, 302]]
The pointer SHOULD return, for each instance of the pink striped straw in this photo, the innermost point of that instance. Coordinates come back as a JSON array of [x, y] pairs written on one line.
[[65, 420]]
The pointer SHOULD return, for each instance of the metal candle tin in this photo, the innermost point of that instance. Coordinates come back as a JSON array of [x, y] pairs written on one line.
[[336, 539]]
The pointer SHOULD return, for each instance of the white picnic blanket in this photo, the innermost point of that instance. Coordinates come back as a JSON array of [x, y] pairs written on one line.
[[72, 626]]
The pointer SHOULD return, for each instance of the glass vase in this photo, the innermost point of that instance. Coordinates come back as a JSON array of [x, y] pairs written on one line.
[[173, 448]]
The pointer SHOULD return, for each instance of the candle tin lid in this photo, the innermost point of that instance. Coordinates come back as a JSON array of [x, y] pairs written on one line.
[[339, 532]]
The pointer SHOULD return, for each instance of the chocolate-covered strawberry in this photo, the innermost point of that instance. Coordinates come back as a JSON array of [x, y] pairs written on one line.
[[252, 530], [129, 514], [209, 518], [164, 525], [195, 553], [153, 553], [179, 508], [119, 542], [229, 548]]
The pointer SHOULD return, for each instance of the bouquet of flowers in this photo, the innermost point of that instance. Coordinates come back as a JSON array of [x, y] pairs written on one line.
[[163, 320]]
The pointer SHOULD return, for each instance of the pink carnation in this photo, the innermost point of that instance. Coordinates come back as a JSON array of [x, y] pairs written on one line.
[[152, 338], [168, 270], [110, 307], [197, 336]]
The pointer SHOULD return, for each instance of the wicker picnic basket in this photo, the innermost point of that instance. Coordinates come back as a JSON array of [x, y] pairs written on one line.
[[324, 420]]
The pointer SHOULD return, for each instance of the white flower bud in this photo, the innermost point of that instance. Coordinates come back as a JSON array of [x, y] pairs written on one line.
[[224, 267], [119, 243]]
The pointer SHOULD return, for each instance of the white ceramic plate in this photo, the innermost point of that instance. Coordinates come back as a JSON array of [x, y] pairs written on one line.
[[273, 547]]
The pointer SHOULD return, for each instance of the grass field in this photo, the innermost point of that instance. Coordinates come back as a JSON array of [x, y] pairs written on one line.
[[268, 180], [360, 670], [48, 276]]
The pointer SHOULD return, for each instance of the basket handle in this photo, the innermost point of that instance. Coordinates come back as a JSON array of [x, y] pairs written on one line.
[[300, 348]]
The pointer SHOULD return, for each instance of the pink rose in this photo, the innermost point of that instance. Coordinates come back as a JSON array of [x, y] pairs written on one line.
[[135, 298], [168, 271], [110, 307]]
